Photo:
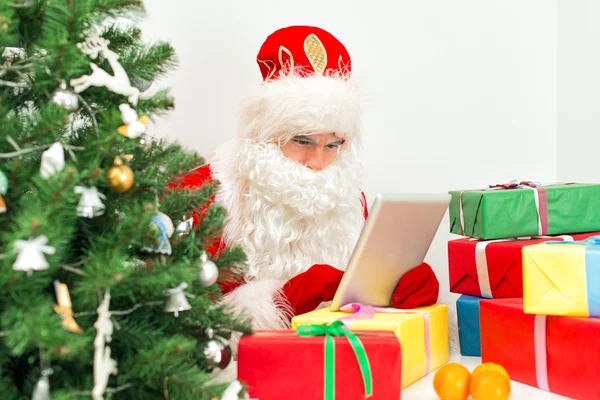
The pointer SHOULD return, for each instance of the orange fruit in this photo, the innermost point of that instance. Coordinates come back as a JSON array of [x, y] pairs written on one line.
[[489, 385], [451, 382], [490, 366]]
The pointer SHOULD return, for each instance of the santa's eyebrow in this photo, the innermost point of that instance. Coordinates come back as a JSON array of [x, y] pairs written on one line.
[[305, 138], [336, 142]]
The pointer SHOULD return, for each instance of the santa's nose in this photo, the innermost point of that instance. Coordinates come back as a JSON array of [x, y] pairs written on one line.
[[316, 161]]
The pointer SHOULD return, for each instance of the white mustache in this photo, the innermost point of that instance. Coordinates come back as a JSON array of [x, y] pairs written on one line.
[[283, 181]]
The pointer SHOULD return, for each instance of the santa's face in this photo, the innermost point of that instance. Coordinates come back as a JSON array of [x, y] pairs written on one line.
[[315, 151], [288, 216]]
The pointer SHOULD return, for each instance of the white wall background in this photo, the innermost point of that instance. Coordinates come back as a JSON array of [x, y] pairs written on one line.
[[578, 95], [458, 94]]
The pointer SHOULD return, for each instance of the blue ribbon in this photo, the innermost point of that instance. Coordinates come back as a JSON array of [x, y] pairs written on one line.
[[592, 272], [162, 236]]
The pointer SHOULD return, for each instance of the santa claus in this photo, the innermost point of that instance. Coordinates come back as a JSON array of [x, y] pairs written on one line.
[[291, 183]]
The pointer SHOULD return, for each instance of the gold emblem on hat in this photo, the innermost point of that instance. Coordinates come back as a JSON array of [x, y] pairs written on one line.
[[282, 50], [315, 51], [342, 66], [270, 66]]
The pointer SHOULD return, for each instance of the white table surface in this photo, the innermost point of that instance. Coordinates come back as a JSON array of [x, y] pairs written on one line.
[[423, 388]]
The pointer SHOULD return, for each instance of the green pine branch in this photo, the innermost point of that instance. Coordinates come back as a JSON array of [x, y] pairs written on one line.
[[112, 251], [151, 62]]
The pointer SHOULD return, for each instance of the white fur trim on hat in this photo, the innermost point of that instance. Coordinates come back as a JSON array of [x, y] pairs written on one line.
[[295, 104]]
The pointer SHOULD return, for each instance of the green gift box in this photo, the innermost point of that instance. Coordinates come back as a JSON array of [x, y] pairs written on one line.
[[525, 209]]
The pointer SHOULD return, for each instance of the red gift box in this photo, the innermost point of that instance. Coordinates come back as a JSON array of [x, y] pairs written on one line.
[[279, 365], [558, 354], [492, 268]]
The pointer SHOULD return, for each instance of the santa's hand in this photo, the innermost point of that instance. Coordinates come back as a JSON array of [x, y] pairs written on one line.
[[417, 288], [307, 290]]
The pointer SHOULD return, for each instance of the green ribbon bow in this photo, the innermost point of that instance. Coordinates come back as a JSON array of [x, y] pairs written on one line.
[[329, 331]]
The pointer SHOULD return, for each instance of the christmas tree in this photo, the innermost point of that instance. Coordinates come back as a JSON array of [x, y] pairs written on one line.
[[106, 287]]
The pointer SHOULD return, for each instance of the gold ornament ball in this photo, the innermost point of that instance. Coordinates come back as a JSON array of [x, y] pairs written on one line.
[[120, 178]]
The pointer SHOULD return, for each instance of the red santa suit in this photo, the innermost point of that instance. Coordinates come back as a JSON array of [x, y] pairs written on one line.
[[297, 227]]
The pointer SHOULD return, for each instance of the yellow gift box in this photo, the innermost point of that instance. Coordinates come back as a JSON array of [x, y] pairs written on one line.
[[557, 279], [410, 330]]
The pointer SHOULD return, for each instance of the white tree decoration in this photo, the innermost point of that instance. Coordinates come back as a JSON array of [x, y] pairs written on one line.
[[233, 391], [117, 83], [31, 254], [134, 127], [41, 391], [90, 205], [104, 365], [53, 160]]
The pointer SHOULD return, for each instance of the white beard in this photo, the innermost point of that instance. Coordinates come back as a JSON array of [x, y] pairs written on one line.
[[285, 216]]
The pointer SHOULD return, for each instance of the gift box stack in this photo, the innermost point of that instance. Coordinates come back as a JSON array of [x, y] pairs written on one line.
[[528, 271]]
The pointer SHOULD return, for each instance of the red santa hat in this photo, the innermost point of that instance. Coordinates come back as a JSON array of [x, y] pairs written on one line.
[[306, 88]]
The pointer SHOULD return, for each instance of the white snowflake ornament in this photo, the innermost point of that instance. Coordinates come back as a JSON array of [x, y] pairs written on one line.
[[31, 254], [90, 205]]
